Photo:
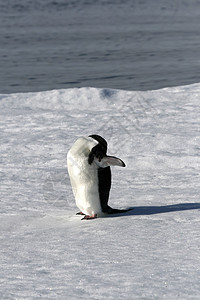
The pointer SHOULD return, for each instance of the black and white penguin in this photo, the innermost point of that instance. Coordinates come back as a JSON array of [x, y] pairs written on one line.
[[90, 176]]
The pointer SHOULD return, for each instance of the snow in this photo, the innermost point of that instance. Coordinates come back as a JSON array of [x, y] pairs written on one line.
[[151, 252]]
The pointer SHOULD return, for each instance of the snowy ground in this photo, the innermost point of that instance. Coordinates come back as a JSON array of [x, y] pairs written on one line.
[[152, 252]]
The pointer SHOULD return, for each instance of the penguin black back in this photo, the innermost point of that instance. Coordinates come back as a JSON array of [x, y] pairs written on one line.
[[104, 174]]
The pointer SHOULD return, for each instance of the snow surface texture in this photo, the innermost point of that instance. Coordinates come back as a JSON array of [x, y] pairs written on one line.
[[151, 252]]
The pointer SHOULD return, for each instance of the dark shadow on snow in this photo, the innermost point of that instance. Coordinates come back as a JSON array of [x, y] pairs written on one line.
[[152, 210]]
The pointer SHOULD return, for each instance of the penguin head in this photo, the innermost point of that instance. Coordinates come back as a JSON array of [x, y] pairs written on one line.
[[99, 157], [102, 144]]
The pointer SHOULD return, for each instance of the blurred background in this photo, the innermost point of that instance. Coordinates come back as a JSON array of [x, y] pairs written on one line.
[[120, 44]]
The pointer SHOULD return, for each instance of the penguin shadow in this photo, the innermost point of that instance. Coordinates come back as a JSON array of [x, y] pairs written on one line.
[[153, 210]]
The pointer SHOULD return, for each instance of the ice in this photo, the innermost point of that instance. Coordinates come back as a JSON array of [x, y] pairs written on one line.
[[151, 252]]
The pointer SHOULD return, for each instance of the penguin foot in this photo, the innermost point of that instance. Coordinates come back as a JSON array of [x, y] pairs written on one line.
[[80, 213], [86, 217]]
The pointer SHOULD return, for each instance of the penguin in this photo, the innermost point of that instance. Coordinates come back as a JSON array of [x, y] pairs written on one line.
[[90, 176]]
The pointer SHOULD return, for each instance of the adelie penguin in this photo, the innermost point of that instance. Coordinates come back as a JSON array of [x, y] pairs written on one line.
[[90, 176]]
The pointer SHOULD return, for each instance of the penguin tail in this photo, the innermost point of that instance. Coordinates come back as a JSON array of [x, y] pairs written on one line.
[[112, 211]]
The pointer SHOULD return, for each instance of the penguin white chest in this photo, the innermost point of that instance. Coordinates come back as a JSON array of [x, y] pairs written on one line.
[[84, 177]]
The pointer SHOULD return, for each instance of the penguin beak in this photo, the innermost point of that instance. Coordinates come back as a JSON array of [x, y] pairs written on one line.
[[107, 161]]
